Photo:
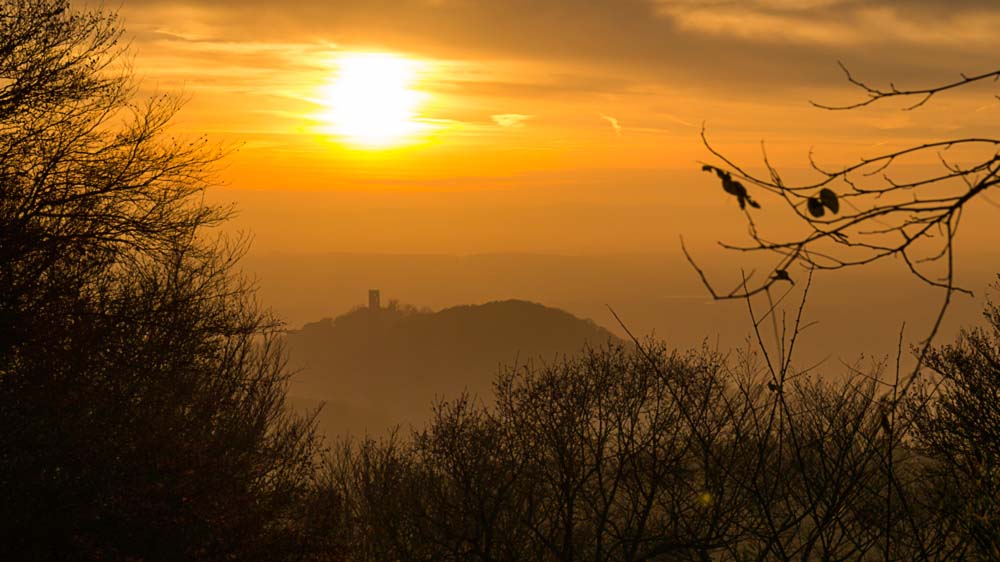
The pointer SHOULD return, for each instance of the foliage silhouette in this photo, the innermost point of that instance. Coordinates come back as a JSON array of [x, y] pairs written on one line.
[[141, 388]]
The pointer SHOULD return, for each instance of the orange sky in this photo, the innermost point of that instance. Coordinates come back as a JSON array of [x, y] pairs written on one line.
[[550, 125]]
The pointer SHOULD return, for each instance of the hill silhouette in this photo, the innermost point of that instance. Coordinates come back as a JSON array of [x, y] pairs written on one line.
[[378, 367]]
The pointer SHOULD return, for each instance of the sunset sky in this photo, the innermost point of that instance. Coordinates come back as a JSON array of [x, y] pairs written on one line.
[[540, 125]]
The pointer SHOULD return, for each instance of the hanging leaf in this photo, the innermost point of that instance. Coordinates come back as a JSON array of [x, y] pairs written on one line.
[[829, 198], [733, 187], [781, 275], [815, 207]]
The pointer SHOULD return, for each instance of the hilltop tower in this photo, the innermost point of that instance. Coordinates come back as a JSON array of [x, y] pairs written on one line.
[[374, 300]]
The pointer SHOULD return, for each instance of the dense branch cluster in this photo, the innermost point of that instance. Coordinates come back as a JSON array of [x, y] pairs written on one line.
[[641, 454], [142, 392]]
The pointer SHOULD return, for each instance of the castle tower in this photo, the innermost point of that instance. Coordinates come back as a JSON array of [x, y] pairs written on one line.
[[374, 300]]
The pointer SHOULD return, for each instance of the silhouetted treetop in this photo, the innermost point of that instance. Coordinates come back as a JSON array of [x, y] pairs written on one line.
[[84, 166]]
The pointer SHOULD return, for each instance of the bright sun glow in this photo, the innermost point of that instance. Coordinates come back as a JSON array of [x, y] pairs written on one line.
[[371, 102]]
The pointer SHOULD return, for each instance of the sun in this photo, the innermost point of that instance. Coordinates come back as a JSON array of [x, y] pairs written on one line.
[[370, 102]]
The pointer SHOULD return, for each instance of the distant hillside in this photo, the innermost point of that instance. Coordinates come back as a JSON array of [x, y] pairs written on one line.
[[654, 294], [379, 367]]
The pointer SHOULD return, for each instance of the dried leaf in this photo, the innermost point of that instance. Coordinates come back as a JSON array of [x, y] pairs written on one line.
[[732, 187], [781, 275], [815, 207], [829, 198]]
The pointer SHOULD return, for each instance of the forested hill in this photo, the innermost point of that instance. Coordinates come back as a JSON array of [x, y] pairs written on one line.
[[378, 367]]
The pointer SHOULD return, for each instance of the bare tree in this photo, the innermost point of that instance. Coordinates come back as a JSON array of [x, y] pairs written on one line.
[[882, 489], [642, 455], [956, 419], [861, 213], [142, 390], [89, 177]]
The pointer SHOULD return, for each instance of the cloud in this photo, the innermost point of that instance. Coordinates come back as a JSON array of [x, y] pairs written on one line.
[[756, 26], [760, 49], [511, 120], [614, 123], [836, 23], [609, 28]]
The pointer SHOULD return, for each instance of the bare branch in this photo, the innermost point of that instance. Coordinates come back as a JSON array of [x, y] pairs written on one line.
[[923, 95]]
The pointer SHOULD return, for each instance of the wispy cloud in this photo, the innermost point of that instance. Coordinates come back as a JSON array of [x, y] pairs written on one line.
[[833, 22], [614, 123], [511, 120], [758, 21]]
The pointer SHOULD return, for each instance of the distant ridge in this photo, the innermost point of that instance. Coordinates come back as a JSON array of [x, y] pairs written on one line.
[[378, 367]]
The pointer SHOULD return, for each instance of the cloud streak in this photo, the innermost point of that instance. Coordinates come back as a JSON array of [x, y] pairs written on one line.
[[705, 43], [614, 123], [837, 23], [511, 120]]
